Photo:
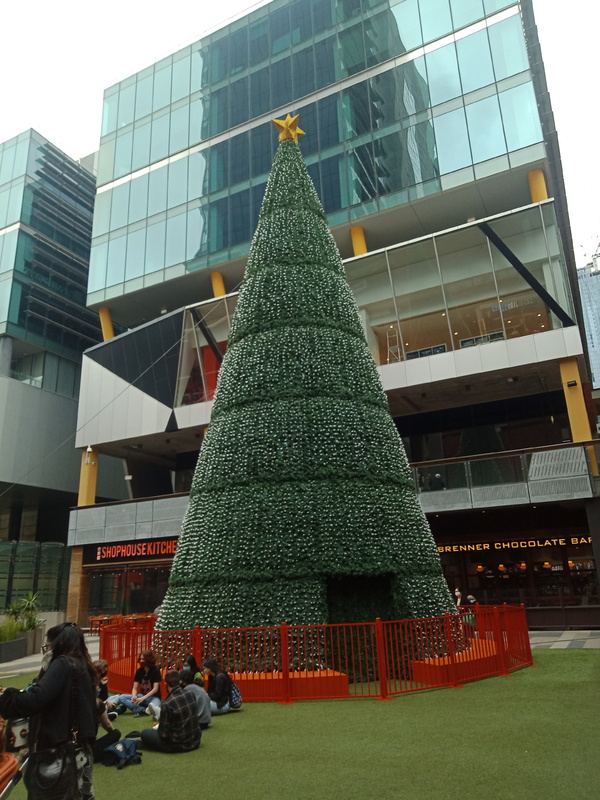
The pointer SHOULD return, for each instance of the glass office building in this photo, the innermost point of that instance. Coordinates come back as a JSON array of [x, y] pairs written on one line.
[[428, 127]]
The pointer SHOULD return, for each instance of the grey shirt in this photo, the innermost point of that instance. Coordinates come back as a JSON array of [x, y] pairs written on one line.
[[202, 703]]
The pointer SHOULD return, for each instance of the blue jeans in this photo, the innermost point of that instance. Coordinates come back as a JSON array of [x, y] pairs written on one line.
[[125, 699], [215, 711]]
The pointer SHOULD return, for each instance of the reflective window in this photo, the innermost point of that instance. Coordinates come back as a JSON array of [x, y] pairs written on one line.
[[219, 166], [219, 111], [97, 273], [262, 149], [115, 271], [196, 175], [219, 59], [470, 288], [109, 113], [419, 160], [300, 21], [442, 69], [238, 50], [3, 206], [177, 192], [310, 141], [180, 86], [179, 134], [521, 118], [406, 15], [123, 148], [197, 120], [8, 243], [435, 18], [141, 146], [281, 82], [508, 47], [258, 34], [106, 160], [239, 218], [321, 15], [175, 243], [398, 93], [196, 243], [119, 206], [475, 61], [155, 247], [279, 30], [157, 190], [7, 160], [355, 110], [239, 166], [333, 183], [389, 159], [126, 106], [260, 93], [452, 141], [382, 44], [465, 11], [159, 141], [329, 132], [102, 213], [485, 129], [304, 72], [496, 5], [325, 62], [199, 70], [239, 102], [361, 174], [136, 250], [143, 96], [351, 53], [161, 95], [138, 198], [219, 225]]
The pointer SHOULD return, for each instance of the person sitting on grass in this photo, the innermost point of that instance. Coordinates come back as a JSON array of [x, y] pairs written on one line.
[[195, 686], [178, 729], [190, 663], [146, 688], [219, 687]]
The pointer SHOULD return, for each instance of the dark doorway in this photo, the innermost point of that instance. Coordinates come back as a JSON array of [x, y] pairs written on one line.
[[359, 598]]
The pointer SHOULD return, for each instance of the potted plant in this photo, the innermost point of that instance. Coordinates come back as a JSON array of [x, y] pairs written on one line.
[[12, 646], [31, 624]]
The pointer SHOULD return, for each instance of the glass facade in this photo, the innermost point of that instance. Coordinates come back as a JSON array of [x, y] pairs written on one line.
[[46, 207], [384, 120]]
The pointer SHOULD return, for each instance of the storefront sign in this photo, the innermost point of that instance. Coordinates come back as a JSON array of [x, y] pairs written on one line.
[[515, 545], [147, 550]]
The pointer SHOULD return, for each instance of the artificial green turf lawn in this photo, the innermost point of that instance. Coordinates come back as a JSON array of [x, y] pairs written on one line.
[[532, 735]]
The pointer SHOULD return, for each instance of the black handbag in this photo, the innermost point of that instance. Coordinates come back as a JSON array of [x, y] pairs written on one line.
[[51, 774]]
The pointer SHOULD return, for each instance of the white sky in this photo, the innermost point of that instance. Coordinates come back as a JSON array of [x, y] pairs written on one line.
[[56, 59]]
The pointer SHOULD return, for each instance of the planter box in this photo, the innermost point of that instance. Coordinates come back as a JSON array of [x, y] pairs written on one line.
[[10, 651]]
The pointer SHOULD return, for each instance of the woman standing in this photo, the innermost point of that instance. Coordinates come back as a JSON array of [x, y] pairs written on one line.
[[48, 703], [219, 687]]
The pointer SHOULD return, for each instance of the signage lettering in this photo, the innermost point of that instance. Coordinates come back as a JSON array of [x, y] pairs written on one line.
[[514, 545], [130, 551]]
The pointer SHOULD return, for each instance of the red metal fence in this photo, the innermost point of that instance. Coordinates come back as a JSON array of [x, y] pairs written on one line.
[[375, 659]]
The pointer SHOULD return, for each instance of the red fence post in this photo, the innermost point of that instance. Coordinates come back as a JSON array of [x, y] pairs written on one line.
[[498, 625], [381, 659], [285, 663], [451, 650]]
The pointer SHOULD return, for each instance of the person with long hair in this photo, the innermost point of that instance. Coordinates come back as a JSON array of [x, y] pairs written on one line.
[[219, 687], [146, 688], [190, 663], [48, 702]]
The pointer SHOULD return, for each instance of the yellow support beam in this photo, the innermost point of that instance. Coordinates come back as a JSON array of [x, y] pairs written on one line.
[[78, 593], [576, 409], [359, 243], [537, 186], [108, 332], [218, 284], [88, 476]]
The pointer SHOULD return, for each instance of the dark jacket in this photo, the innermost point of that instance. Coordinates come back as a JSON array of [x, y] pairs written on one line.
[[48, 704], [219, 688]]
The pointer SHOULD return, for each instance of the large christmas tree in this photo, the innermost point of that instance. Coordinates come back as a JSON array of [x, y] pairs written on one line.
[[302, 507]]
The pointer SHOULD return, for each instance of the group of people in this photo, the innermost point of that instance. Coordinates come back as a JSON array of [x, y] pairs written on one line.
[[180, 717]]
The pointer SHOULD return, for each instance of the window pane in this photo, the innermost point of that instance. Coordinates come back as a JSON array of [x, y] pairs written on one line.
[[508, 47], [300, 21], [138, 198], [260, 92], [176, 240], [465, 11], [333, 183], [452, 141], [101, 213], [219, 225], [109, 113], [162, 88], [3, 208], [219, 59], [238, 159], [126, 106], [279, 30], [238, 50], [406, 16], [123, 154], [442, 69], [520, 114], [119, 206], [180, 123], [181, 79], [238, 99], [419, 161], [7, 160], [136, 247], [219, 166], [308, 117], [141, 146], [199, 70], [304, 72], [485, 129], [157, 190], [496, 5], [324, 62], [143, 96], [159, 143], [381, 43], [281, 82], [389, 159], [475, 61], [435, 18], [196, 121], [116, 261], [355, 110], [261, 149], [351, 51], [197, 175], [97, 274], [361, 174], [155, 247], [329, 133], [196, 234], [177, 187], [219, 110], [259, 40], [239, 218]]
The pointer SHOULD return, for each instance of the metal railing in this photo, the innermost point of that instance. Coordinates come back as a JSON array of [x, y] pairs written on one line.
[[376, 659]]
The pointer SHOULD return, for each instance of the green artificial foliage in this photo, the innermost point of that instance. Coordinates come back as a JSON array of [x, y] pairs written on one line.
[[302, 480]]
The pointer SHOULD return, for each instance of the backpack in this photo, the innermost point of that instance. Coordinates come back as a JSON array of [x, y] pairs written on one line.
[[236, 697], [121, 754]]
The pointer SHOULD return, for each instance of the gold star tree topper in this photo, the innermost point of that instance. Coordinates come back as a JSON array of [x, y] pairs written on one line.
[[288, 128]]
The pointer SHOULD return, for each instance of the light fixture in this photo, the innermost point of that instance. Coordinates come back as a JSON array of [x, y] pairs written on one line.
[[522, 565], [571, 563], [443, 313], [128, 477], [571, 383], [391, 326], [480, 568], [547, 565], [539, 315], [501, 568], [509, 321]]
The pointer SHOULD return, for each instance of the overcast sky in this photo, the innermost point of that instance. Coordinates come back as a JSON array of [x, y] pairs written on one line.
[[56, 59]]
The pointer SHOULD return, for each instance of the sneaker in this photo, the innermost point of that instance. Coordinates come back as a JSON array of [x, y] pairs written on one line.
[[112, 715], [153, 711], [121, 709]]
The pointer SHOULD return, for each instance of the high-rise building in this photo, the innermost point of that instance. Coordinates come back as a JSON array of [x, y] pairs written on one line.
[[589, 289], [431, 142], [46, 208]]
